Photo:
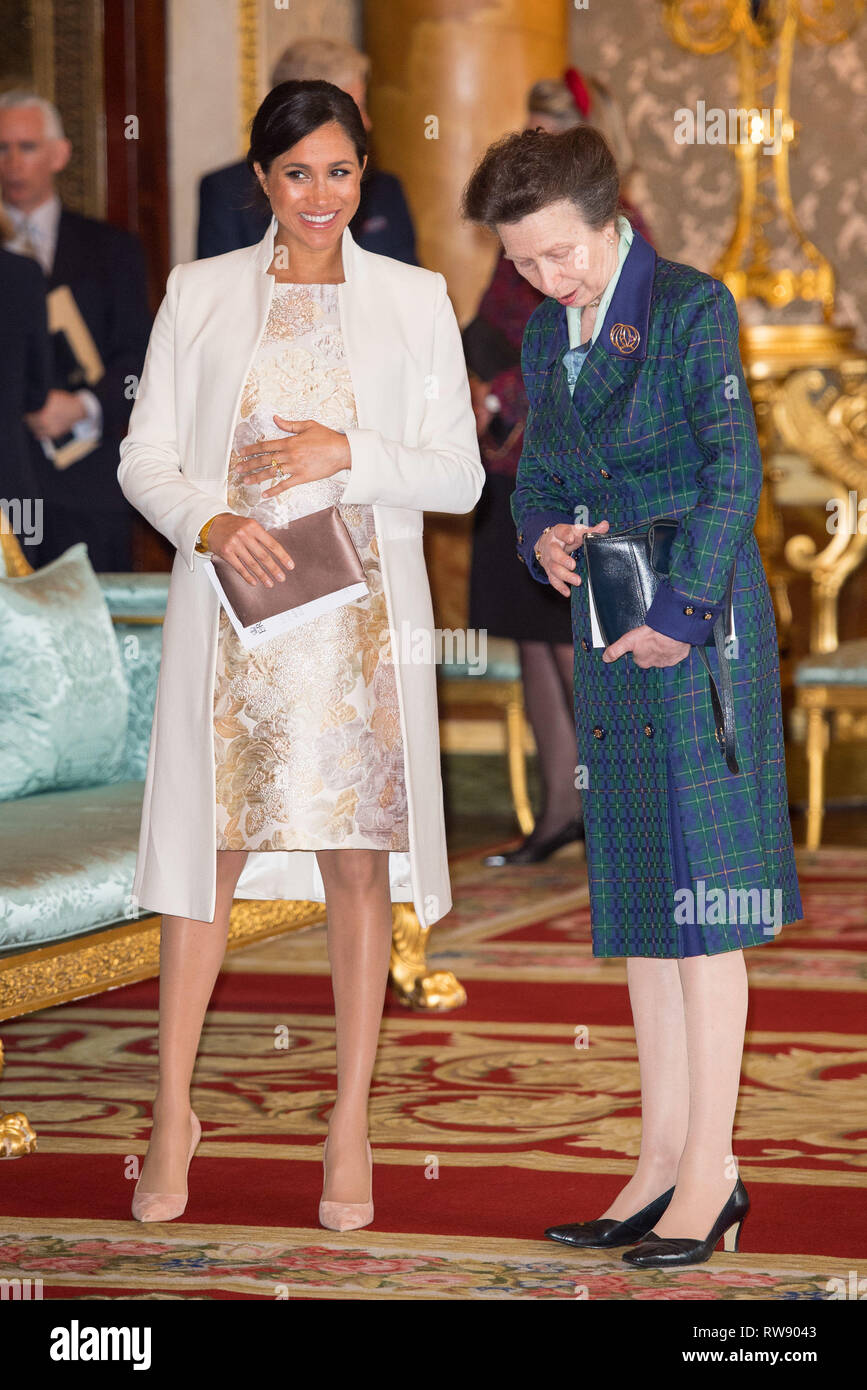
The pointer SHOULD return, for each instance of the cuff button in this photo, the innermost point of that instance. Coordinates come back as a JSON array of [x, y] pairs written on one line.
[[648, 729], [585, 644], [604, 473], [598, 733]]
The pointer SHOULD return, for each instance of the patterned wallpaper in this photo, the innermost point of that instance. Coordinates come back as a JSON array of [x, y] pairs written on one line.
[[688, 192], [281, 23]]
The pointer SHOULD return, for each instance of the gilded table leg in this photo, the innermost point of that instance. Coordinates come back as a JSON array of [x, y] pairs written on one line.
[[515, 729], [16, 1136], [817, 742], [415, 988]]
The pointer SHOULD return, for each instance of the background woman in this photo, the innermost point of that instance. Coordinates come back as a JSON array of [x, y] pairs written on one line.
[[283, 378], [639, 408], [503, 599]]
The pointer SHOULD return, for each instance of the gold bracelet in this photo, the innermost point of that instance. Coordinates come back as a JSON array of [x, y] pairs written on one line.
[[202, 542]]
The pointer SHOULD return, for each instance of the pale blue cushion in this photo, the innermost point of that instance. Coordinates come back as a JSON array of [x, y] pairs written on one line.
[[140, 647], [131, 597], [64, 699], [845, 666], [139, 595], [502, 663], [67, 862]]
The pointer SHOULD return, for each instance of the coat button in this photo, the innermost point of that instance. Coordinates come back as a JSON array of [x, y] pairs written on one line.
[[604, 473], [707, 616], [557, 479], [598, 733], [585, 644], [689, 609], [520, 537], [521, 558], [648, 729]]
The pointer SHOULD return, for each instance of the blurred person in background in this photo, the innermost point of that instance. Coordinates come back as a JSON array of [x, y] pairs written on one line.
[[25, 377], [107, 322], [503, 598], [231, 217]]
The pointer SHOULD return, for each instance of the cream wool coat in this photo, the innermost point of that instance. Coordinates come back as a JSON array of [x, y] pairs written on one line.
[[415, 449]]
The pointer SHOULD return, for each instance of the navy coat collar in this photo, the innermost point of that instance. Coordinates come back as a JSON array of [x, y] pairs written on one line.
[[615, 358], [628, 313]]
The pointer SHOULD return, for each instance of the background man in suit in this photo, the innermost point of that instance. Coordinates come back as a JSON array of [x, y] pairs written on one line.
[[230, 216], [110, 320], [25, 378]]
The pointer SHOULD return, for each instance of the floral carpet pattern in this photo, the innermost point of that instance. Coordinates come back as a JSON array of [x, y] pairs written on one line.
[[488, 1124]]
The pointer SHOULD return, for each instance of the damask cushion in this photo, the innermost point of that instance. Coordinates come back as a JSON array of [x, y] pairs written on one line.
[[140, 647], [493, 659], [847, 665], [64, 700], [135, 595]]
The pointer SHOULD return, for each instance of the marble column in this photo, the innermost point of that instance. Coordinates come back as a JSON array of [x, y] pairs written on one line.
[[448, 77]]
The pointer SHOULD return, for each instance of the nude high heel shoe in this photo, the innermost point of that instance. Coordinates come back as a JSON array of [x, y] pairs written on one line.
[[346, 1216], [165, 1206]]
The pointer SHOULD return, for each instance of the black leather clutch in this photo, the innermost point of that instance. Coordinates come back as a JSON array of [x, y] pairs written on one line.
[[624, 569]]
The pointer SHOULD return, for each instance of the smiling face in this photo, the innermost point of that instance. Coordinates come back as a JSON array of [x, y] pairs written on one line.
[[315, 187], [559, 254]]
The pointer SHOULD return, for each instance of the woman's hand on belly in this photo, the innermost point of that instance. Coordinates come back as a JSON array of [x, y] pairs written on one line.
[[313, 451], [648, 647], [251, 550]]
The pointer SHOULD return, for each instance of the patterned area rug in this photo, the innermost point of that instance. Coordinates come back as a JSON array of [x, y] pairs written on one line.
[[488, 1124]]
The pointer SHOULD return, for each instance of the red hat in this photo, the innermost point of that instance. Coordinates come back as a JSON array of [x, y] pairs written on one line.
[[580, 95]]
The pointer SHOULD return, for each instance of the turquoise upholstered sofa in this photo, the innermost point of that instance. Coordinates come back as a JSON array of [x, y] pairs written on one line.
[[68, 841], [67, 856], [69, 834]]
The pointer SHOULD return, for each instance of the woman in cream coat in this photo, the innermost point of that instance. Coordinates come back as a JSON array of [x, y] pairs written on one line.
[[414, 449]]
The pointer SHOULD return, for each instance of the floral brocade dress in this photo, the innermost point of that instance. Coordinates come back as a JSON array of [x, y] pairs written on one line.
[[307, 739]]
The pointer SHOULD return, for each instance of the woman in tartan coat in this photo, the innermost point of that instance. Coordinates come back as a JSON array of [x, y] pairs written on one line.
[[687, 862]]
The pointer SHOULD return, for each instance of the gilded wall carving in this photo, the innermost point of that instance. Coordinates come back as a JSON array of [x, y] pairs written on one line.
[[688, 192]]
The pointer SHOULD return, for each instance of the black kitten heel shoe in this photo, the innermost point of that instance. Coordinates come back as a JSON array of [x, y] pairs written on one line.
[[664, 1252], [602, 1234], [532, 851]]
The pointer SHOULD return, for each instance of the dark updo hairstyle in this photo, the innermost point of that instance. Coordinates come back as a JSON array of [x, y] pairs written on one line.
[[523, 172], [292, 110]]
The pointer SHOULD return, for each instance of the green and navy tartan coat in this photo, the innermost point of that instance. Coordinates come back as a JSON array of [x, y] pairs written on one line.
[[661, 424]]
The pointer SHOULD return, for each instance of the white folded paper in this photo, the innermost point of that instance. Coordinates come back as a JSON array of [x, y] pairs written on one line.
[[266, 628]]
